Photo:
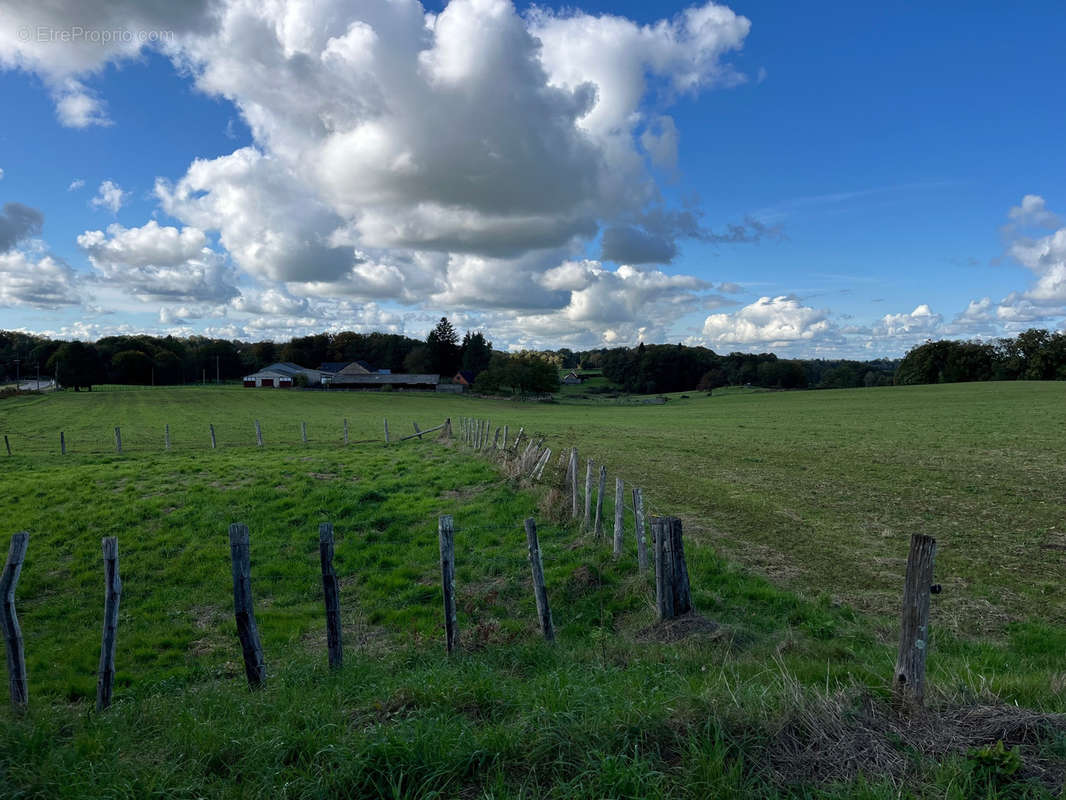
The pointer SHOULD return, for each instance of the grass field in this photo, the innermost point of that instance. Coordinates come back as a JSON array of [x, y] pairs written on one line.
[[797, 508]]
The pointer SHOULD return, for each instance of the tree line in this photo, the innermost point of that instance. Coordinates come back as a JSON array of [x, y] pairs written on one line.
[[1034, 355]]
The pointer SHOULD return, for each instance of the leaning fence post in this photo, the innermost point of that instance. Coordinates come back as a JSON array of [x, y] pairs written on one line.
[[588, 493], [166, 436], [642, 542], [909, 683], [247, 631], [16, 656], [303, 432], [598, 527], [258, 434], [118, 440], [417, 431], [62, 444], [446, 534], [540, 592], [7, 444], [506, 430], [386, 430], [214, 442], [619, 507], [105, 682], [331, 592]]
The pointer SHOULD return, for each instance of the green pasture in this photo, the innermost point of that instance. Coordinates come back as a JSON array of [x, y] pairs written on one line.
[[797, 508]]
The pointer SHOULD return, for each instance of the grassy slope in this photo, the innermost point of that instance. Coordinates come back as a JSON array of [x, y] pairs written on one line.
[[818, 489]]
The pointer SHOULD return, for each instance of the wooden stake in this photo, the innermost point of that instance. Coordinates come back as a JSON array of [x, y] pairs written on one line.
[[166, 436], [505, 436], [540, 592], [446, 534], [598, 527], [7, 444], [214, 442], [346, 430], [673, 597], [258, 434], [303, 432], [573, 480], [642, 543], [16, 656], [118, 440], [105, 682], [909, 683], [496, 440], [62, 444], [418, 433], [619, 507], [386, 430], [588, 493], [663, 595], [331, 593], [247, 631]]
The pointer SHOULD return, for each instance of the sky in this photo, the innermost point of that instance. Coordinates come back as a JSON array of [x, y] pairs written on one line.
[[817, 180]]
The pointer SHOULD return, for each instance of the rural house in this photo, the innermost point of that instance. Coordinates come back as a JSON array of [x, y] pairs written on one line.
[[572, 378], [281, 376]]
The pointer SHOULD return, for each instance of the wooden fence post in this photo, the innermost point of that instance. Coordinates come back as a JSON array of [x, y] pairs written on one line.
[[496, 440], [303, 431], [62, 444], [518, 438], [331, 592], [673, 597], [619, 508], [105, 682], [573, 480], [446, 534], [7, 444], [598, 527], [909, 683], [247, 631], [16, 656], [386, 430], [540, 592], [214, 442], [588, 494], [506, 430], [346, 430], [417, 431], [541, 463], [642, 543], [166, 436], [258, 434], [118, 440], [447, 428]]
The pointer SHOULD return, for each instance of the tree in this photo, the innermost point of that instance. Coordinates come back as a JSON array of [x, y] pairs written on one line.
[[476, 352], [132, 366], [76, 364], [442, 345]]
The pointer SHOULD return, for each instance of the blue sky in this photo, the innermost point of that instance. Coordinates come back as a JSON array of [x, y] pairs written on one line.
[[848, 179]]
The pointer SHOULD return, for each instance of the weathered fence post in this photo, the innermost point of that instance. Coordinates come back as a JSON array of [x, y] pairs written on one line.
[[247, 631], [16, 656], [518, 438], [642, 542], [7, 444], [303, 431], [909, 683], [62, 444], [573, 480], [619, 508], [417, 431], [446, 534], [447, 428], [386, 430], [506, 430], [105, 682], [346, 430], [588, 494], [166, 436], [598, 527], [118, 440], [258, 434], [214, 442], [496, 440], [541, 463], [540, 592], [673, 596], [331, 592]]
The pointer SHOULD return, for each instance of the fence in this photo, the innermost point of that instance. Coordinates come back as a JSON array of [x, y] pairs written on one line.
[[526, 459]]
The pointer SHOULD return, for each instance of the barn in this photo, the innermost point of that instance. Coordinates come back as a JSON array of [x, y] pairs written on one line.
[[376, 381], [281, 376]]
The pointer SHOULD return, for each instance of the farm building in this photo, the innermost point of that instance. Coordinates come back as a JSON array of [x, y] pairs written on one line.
[[281, 376], [464, 377], [378, 381], [572, 378]]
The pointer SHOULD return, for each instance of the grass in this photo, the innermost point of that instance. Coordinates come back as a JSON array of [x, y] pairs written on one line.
[[797, 509]]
